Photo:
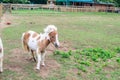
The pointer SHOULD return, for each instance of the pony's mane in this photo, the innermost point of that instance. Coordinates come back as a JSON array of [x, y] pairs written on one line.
[[50, 28], [47, 30]]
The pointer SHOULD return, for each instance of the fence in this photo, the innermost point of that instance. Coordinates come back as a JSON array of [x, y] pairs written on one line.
[[10, 7], [87, 9], [7, 8], [79, 9]]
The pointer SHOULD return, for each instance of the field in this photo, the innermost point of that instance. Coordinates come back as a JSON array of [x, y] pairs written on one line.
[[82, 36]]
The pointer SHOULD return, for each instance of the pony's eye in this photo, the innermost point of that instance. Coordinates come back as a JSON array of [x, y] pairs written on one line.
[[52, 37]]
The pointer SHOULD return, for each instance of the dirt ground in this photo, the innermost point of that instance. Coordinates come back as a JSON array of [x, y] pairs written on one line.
[[19, 60], [5, 20]]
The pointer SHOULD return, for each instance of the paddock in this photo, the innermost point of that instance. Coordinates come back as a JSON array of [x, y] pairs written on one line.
[[78, 31]]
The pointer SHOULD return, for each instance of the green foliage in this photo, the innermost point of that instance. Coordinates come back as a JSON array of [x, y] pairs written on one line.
[[57, 52], [107, 0], [63, 54], [87, 63], [118, 60], [38, 1], [97, 70], [81, 67], [96, 53], [77, 56], [16, 1], [117, 2], [82, 58], [117, 49]]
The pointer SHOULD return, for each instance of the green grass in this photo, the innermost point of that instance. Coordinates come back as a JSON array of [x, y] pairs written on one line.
[[80, 31]]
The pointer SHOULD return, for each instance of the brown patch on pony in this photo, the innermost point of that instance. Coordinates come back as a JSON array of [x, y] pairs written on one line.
[[34, 35], [53, 36], [43, 44], [25, 41]]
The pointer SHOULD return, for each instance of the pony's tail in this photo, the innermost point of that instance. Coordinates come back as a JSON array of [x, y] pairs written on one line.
[[24, 43]]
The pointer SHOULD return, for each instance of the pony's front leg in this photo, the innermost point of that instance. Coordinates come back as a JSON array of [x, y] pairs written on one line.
[[38, 59], [43, 58], [1, 65]]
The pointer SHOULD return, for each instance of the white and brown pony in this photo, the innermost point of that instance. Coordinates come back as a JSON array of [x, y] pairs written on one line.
[[37, 43], [1, 56]]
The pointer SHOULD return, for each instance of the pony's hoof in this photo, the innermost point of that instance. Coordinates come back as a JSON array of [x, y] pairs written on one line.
[[1, 71], [43, 65], [37, 70]]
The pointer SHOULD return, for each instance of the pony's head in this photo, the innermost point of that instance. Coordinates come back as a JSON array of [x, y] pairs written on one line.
[[51, 30]]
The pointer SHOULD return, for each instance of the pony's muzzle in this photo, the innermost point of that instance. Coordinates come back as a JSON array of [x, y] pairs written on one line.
[[56, 45]]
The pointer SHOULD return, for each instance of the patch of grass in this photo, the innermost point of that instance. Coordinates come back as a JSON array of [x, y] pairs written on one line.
[[93, 35], [8, 74]]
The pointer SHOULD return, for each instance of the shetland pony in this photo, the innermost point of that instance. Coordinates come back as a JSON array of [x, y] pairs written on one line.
[[37, 43], [1, 56]]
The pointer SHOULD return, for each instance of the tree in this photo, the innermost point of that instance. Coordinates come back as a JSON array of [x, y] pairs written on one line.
[[15, 1], [38, 1], [117, 3], [107, 0]]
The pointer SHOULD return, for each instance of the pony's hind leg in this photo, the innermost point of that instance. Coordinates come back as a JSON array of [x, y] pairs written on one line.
[[32, 52], [32, 56]]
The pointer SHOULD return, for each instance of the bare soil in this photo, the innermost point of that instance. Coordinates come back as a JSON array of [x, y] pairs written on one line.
[[5, 20]]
